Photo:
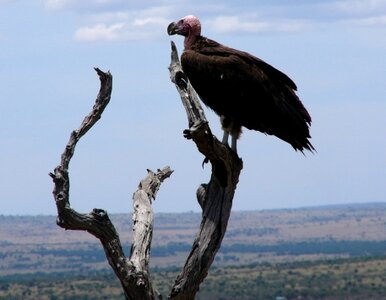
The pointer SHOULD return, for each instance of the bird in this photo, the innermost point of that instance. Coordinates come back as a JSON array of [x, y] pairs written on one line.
[[242, 89]]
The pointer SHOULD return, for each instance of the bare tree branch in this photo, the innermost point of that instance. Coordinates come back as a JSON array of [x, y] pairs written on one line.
[[133, 273], [215, 197], [68, 218], [143, 224]]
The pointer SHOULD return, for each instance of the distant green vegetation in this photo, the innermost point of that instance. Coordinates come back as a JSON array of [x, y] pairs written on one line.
[[94, 253], [351, 248], [334, 279], [47, 259], [325, 253], [55, 286], [354, 278]]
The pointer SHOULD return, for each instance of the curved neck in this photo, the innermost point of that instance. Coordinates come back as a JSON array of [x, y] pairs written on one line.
[[189, 40]]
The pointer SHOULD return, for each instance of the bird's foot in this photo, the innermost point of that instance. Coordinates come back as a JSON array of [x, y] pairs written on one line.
[[205, 161], [187, 134]]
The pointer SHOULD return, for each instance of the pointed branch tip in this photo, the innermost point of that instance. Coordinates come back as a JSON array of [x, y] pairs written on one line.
[[174, 54]]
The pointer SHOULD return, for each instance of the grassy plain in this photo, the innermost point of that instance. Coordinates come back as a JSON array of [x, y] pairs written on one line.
[[354, 279], [336, 252]]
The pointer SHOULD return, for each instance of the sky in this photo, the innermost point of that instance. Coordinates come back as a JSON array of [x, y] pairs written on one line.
[[335, 51]]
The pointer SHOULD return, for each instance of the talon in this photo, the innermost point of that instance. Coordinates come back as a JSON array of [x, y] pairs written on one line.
[[205, 161], [187, 134]]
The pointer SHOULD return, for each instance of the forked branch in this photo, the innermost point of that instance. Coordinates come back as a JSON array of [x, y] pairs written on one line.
[[215, 199], [133, 273]]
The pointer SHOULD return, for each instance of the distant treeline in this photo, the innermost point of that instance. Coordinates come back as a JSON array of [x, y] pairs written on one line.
[[350, 248]]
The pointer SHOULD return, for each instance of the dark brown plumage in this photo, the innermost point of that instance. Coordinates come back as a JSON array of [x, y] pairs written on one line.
[[242, 89]]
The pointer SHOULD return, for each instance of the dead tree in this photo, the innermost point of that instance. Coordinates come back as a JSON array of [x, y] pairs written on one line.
[[215, 199], [133, 272]]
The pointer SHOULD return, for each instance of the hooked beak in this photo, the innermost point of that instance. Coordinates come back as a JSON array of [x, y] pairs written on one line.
[[173, 28]]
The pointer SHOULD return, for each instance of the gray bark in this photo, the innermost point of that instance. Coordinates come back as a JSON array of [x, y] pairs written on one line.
[[215, 199], [133, 272]]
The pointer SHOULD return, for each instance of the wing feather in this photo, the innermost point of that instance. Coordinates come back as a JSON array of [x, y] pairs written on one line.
[[247, 89]]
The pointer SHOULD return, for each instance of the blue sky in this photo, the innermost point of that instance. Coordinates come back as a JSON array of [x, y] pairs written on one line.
[[334, 51]]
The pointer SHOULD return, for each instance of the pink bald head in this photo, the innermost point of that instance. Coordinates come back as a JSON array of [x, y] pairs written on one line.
[[194, 24], [189, 27]]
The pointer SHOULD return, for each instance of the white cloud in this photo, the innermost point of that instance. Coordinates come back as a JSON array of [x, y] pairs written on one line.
[[138, 29], [114, 20], [124, 25], [5, 1], [233, 23], [228, 24], [100, 32], [55, 4], [360, 7], [370, 21], [149, 21], [107, 17], [85, 5], [359, 13]]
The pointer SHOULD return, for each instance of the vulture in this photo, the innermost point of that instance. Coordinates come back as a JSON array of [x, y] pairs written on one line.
[[242, 89]]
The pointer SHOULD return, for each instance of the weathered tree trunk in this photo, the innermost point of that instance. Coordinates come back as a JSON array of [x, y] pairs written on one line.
[[215, 198], [133, 273]]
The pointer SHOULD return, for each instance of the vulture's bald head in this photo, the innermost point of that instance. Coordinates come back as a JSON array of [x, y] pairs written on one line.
[[188, 26]]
